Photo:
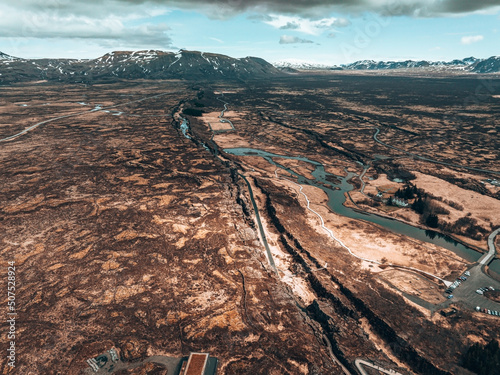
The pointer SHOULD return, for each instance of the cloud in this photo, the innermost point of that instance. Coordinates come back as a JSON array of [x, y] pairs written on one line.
[[122, 23], [318, 8], [304, 25], [114, 27], [471, 39], [331, 35], [216, 39], [260, 17], [290, 26], [288, 39], [312, 9], [341, 22]]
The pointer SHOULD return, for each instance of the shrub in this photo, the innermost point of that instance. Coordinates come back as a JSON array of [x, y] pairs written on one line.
[[192, 112]]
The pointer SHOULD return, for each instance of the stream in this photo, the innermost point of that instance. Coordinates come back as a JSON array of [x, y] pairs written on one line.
[[336, 198]]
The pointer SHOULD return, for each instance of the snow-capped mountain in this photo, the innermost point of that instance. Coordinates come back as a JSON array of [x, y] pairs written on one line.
[[150, 64], [490, 65], [4, 57], [194, 65], [464, 64], [287, 65], [468, 64]]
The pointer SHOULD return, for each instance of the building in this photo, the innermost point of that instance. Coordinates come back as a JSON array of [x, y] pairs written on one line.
[[399, 202], [448, 312]]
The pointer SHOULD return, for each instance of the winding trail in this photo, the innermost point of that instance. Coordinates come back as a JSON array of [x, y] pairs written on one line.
[[101, 109], [221, 116], [330, 233]]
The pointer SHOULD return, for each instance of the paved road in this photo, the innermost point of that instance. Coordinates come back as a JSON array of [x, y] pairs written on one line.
[[487, 258], [360, 363], [261, 228], [363, 184], [466, 292]]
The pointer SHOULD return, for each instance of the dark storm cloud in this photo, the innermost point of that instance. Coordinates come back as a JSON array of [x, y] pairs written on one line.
[[464, 6], [226, 8], [260, 17], [311, 8]]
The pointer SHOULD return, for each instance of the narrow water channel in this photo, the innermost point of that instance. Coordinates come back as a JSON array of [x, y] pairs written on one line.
[[336, 198], [185, 128]]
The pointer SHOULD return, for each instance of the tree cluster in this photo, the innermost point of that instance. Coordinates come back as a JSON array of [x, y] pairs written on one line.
[[409, 191], [466, 226], [483, 360], [192, 112]]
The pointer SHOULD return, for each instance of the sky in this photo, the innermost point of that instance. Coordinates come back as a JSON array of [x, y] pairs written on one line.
[[330, 32]]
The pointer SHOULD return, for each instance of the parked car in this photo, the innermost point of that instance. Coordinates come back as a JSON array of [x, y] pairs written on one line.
[[479, 291], [467, 273]]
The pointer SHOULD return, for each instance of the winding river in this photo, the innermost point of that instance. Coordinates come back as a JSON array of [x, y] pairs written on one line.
[[336, 198]]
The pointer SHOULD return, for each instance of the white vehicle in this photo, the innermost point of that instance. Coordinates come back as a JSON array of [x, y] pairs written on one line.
[[479, 291], [478, 308], [467, 273]]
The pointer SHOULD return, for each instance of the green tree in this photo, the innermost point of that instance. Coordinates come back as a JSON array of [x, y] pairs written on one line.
[[432, 221]]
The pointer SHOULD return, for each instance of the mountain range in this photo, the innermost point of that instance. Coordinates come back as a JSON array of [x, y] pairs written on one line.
[[149, 64], [469, 64], [153, 64]]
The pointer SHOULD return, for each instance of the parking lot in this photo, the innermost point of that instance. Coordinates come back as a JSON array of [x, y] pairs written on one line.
[[466, 291]]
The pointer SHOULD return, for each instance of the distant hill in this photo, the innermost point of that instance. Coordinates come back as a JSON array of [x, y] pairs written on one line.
[[463, 64], [468, 64], [289, 66], [133, 65], [491, 65], [4, 57]]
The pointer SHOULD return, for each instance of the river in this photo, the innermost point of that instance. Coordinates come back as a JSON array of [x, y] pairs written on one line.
[[495, 266], [336, 199]]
